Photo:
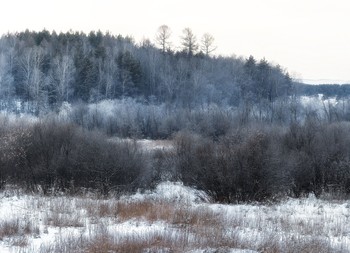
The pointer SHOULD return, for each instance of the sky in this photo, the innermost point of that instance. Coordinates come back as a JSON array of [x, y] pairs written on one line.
[[310, 38]]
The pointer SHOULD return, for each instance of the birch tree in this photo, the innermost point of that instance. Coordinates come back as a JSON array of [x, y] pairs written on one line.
[[6, 81], [61, 77], [33, 79]]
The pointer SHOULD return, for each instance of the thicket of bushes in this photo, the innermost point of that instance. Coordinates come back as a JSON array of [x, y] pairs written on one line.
[[57, 156], [255, 162], [261, 163]]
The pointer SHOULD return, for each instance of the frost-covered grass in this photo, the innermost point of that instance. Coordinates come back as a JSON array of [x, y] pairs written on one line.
[[172, 218]]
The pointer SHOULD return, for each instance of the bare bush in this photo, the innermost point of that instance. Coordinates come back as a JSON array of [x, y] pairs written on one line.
[[51, 157]]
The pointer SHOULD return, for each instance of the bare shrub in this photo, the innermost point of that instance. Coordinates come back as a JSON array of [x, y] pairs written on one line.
[[53, 157]]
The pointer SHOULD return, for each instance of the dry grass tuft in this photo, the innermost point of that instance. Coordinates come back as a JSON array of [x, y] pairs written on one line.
[[63, 220], [157, 242], [293, 244], [17, 227], [19, 241], [175, 214], [62, 212], [9, 228], [146, 210]]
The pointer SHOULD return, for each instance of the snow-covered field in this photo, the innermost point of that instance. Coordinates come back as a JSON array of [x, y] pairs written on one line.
[[172, 218]]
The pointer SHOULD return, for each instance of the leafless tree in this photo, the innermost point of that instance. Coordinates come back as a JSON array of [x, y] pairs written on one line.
[[208, 44], [6, 79], [163, 36], [62, 76], [189, 41], [31, 63]]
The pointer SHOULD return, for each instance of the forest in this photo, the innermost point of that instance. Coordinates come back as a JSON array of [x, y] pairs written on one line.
[[239, 127], [43, 69]]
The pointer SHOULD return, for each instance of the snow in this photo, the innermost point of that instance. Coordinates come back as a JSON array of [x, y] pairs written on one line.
[[318, 102], [60, 219], [146, 144], [172, 192], [155, 144]]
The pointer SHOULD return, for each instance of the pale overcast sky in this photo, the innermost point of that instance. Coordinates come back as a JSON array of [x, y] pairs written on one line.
[[311, 38]]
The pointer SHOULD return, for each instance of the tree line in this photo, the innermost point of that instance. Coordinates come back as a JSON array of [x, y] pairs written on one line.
[[340, 91], [41, 70]]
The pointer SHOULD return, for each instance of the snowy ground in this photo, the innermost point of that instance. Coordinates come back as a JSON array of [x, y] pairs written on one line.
[[172, 218]]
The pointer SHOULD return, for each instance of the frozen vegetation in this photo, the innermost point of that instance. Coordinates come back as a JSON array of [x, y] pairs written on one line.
[[94, 127], [171, 218]]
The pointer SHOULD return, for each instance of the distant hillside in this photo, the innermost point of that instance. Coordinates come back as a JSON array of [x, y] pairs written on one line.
[[46, 69], [328, 90]]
